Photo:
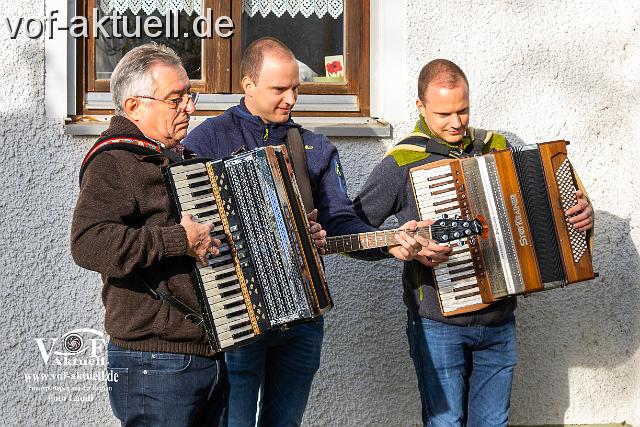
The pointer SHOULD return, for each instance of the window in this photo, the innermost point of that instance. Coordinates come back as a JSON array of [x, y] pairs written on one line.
[[330, 39]]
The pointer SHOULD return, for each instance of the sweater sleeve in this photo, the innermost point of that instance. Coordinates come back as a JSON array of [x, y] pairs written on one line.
[[379, 198], [336, 212], [335, 209], [106, 234]]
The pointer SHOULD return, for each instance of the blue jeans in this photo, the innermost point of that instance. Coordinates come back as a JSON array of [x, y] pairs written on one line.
[[271, 378], [165, 389], [464, 372]]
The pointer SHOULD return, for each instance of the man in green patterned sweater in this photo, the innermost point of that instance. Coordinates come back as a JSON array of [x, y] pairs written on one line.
[[464, 363]]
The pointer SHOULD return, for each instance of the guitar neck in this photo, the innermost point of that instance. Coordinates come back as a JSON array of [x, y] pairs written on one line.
[[371, 240]]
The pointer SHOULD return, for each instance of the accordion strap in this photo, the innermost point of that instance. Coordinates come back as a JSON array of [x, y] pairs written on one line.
[[132, 144], [158, 293], [417, 141], [298, 157]]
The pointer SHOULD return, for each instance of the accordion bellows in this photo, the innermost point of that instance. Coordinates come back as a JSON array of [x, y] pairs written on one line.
[[522, 193], [268, 273]]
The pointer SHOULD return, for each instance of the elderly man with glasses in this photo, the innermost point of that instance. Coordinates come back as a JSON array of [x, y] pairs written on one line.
[[161, 369]]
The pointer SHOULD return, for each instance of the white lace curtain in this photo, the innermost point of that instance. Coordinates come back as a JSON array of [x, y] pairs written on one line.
[[278, 7], [150, 6], [306, 7]]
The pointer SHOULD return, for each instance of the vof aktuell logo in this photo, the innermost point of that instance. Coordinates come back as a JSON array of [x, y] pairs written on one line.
[[78, 347]]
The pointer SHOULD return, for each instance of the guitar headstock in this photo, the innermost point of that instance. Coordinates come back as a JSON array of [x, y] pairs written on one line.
[[446, 230]]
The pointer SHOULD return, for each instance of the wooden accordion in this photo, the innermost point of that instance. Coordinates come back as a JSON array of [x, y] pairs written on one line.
[[522, 193], [268, 273]]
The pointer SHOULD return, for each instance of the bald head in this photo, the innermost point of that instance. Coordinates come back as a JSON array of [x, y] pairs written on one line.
[[440, 73], [254, 55]]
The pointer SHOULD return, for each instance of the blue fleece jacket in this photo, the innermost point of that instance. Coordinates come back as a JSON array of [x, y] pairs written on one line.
[[220, 136]]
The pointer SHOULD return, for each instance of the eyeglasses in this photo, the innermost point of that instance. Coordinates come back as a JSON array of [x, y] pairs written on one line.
[[179, 103]]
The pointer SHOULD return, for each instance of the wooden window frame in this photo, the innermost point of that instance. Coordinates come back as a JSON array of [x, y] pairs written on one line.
[[221, 60]]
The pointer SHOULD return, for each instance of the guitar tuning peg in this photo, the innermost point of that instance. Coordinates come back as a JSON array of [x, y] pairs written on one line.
[[445, 216]]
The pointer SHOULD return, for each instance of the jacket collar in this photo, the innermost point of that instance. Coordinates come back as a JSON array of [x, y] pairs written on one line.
[[277, 131], [122, 126]]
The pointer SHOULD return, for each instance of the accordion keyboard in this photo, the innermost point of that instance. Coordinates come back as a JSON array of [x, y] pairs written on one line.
[[219, 278], [436, 195]]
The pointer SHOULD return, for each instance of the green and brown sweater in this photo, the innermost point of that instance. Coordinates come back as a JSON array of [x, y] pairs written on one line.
[[387, 192]]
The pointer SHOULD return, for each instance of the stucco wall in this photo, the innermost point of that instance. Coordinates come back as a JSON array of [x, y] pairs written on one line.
[[539, 70]]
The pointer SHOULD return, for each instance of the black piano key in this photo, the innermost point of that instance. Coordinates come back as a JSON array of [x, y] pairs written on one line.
[[206, 214], [196, 175], [204, 204], [242, 334], [463, 277], [230, 293], [239, 325], [198, 184], [233, 304], [201, 192], [460, 270]]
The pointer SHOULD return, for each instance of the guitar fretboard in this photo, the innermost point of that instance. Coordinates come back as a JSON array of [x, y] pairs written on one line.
[[371, 240]]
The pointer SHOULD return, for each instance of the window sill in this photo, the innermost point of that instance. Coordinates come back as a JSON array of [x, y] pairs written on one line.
[[329, 126]]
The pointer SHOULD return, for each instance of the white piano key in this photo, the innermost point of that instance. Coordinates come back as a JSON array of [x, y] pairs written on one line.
[[224, 336], [230, 317], [209, 284], [453, 306], [211, 211], [219, 303], [187, 198], [215, 297], [217, 272], [449, 276], [459, 291], [232, 341], [208, 198], [209, 270], [446, 287], [190, 183], [215, 291], [446, 281], [180, 169], [181, 178], [238, 323], [431, 198], [190, 191]]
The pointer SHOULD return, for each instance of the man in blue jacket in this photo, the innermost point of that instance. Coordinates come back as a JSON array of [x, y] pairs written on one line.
[[282, 363]]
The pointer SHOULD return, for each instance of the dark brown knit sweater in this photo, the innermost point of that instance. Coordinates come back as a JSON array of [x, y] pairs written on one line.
[[123, 229]]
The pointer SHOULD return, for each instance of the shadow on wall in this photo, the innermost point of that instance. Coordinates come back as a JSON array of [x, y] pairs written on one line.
[[590, 325]]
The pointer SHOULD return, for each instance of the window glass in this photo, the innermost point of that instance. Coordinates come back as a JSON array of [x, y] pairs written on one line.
[[108, 51], [316, 42]]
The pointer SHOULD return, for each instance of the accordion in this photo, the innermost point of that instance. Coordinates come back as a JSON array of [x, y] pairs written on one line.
[[268, 273], [522, 194]]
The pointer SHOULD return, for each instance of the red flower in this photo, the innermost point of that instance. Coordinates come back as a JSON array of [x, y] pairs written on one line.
[[333, 67]]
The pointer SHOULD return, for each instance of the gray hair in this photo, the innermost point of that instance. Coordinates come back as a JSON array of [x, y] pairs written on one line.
[[132, 76]]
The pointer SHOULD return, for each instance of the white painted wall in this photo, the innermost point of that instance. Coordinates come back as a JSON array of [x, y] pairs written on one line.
[[539, 70]]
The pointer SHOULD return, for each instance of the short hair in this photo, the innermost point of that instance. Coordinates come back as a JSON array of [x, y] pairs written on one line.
[[253, 56], [132, 76], [441, 70]]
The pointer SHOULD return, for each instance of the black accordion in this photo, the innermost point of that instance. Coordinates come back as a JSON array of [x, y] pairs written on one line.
[[268, 273]]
